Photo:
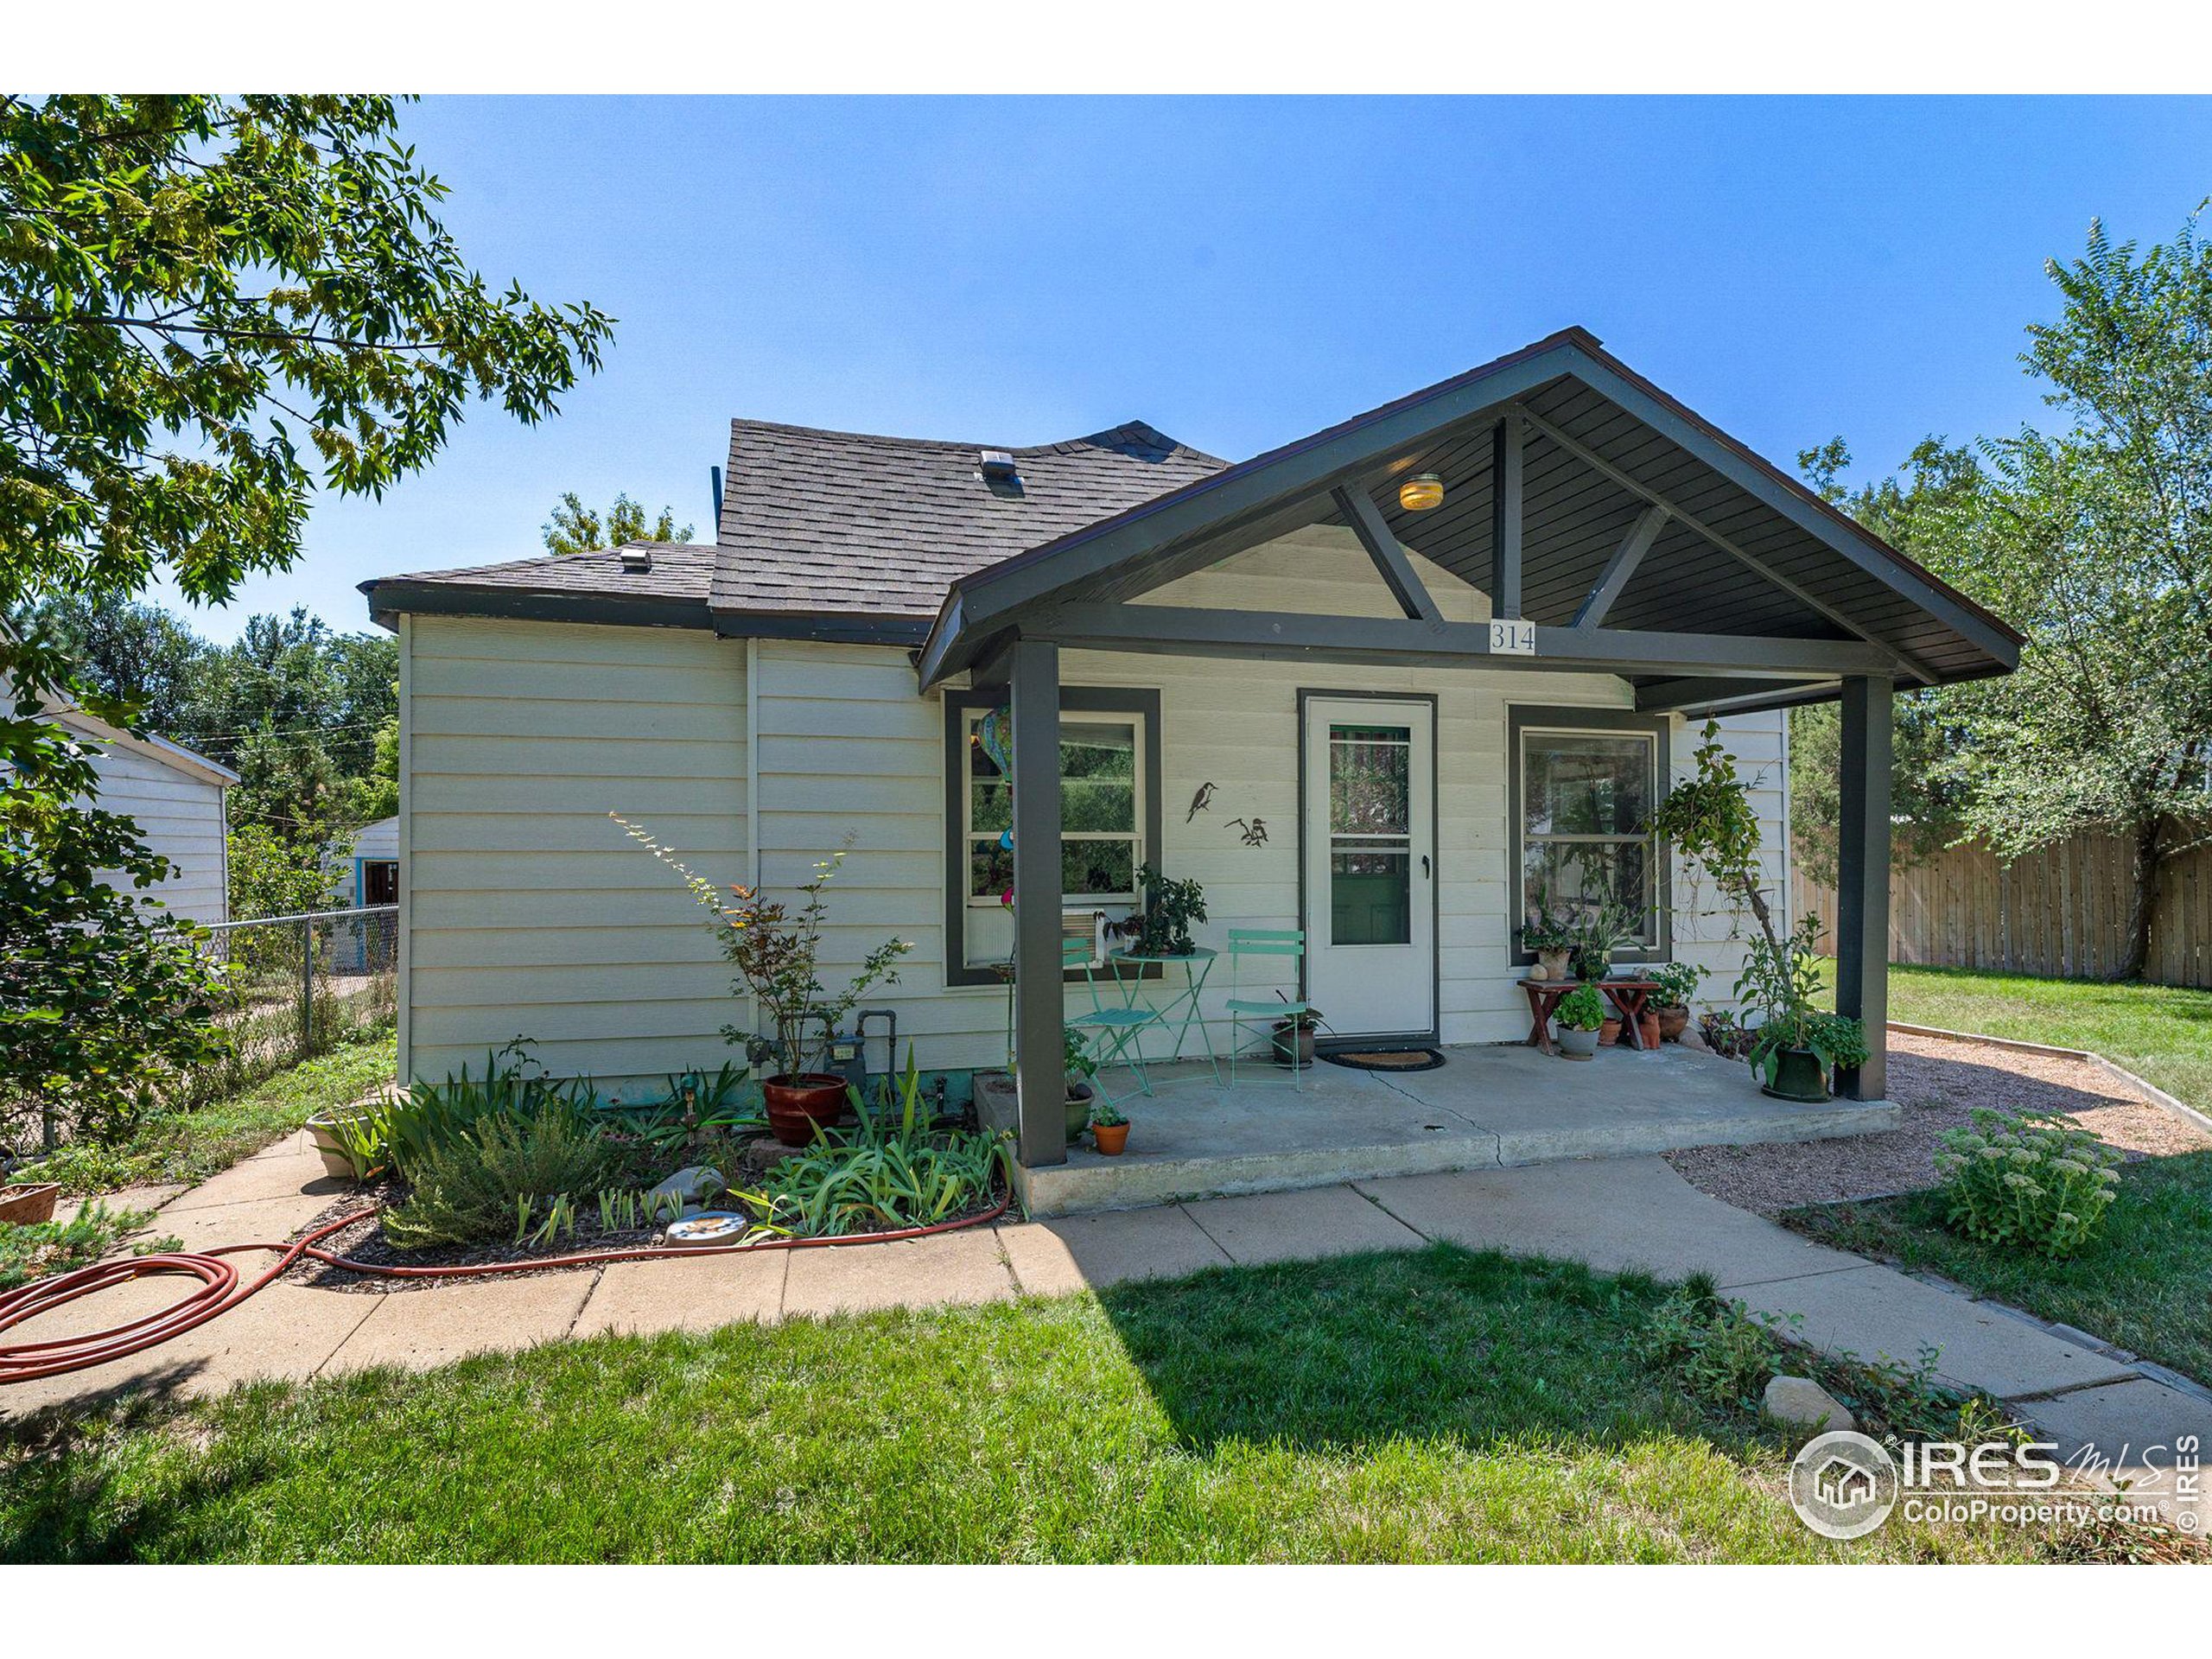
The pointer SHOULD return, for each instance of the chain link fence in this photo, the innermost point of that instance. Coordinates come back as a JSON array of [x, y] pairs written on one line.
[[295, 986]]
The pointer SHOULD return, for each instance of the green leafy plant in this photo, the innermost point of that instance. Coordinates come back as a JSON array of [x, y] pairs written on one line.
[[1163, 929], [1582, 1008], [1080, 1063], [1104, 1115], [1677, 983], [892, 1172], [35, 1249], [1721, 1353], [435, 1117], [1549, 931], [1709, 821], [364, 1136], [1780, 981], [2031, 1178], [777, 954], [475, 1185], [1603, 927]]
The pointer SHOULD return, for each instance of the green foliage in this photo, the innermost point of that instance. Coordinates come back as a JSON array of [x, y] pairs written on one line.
[[272, 876], [2033, 1179], [364, 1135], [1709, 821], [1721, 1354], [1079, 1061], [1677, 983], [39, 1249], [1604, 926], [1104, 1114], [777, 956], [892, 1172], [574, 528], [1583, 1008], [1783, 982], [468, 1186], [1170, 907], [435, 1117]]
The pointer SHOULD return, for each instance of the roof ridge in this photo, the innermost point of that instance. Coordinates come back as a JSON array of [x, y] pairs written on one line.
[[1133, 428]]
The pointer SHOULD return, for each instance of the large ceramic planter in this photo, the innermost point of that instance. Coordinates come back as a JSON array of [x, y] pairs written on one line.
[[26, 1206], [797, 1105], [1577, 1045], [336, 1163], [1799, 1076], [1673, 1022], [1079, 1110], [1302, 1048]]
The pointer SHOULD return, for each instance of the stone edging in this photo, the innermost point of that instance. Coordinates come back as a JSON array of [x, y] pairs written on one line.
[[2149, 1092]]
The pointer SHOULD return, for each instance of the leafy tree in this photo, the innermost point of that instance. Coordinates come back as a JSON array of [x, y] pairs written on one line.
[[133, 652], [574, 528], [272, 876], [208, 306]]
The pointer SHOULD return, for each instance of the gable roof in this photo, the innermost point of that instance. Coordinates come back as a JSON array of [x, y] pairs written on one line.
[[1604, 445]]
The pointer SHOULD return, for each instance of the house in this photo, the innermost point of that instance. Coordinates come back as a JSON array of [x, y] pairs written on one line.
[[1445, 654], [365, 867], [178, 799]]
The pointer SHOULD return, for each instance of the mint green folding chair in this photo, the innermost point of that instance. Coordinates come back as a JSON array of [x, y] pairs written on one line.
[[1120, 1031], [1261, 1012]]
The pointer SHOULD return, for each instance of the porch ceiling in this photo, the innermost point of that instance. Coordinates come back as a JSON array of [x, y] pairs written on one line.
[[1744, 552]]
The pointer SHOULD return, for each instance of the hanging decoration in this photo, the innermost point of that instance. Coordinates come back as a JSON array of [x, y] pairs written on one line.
[[994, 735]]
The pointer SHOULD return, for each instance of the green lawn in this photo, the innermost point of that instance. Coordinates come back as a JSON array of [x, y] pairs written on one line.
[[189, 1147], [2161, 1033], [1437, 1406], [2146, 1284]]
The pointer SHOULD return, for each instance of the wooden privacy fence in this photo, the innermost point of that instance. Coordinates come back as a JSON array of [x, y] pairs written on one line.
[[2061, 913]]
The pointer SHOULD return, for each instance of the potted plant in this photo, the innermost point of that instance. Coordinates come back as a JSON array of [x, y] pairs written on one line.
[[1580, 1015], [1796, 1047], [1552, 938], [1109, 1130], [354, 1141], [1604, 928], [1677, 983], [1081, 1068], [1293, 1039], [777, 956], [1163, 929], [27, 1203]]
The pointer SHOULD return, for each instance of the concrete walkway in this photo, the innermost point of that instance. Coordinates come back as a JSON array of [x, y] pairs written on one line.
[[1615, 1214]]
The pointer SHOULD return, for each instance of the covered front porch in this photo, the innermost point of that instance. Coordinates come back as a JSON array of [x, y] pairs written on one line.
[[1488, 1106]]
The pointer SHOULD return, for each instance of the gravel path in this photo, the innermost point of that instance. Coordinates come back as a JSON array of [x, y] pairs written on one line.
[[1938, 1083]]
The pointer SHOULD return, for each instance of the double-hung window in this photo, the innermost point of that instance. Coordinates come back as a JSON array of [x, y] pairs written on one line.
[[1585, 784], [1109, 817]]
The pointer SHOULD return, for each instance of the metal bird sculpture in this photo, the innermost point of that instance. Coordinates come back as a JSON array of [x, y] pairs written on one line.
[[1199, 802]]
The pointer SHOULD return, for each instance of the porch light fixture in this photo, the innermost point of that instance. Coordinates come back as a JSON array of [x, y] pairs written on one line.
[[1420, 493]]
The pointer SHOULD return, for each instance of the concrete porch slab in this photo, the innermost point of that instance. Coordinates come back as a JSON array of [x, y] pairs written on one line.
[[1486, 1107]]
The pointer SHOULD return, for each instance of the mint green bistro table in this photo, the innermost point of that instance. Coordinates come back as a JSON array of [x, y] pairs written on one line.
[[1185, 1003]]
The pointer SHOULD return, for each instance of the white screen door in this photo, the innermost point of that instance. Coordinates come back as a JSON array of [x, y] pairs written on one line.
[[1370, 876]]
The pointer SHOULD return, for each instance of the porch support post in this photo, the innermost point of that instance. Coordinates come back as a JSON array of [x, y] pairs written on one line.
[[1040, 1006], [1862, 945], [1505, 517]]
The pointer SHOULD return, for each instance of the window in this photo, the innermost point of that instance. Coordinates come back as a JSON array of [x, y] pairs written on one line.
[[1584, 782], [1370, 835], [1109, 817]]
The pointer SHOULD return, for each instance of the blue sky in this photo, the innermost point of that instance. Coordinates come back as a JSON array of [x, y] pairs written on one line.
[[1237, 272]]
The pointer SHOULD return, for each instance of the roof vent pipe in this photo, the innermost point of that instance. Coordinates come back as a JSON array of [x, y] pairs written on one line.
[[637, 560], [998, 466], [716, 473]]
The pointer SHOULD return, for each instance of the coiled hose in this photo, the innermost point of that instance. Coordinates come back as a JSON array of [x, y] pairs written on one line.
[[218, 1291]]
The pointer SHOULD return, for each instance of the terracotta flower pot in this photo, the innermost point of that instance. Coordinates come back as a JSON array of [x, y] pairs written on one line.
[[26, 1206], [1673, 1022], [797, 1105], [1112, 1138], [1648, 1024], [1610, 1032], [1305, 1048]]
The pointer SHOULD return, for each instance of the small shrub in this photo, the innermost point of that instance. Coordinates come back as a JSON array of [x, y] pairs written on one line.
[[1722, 1354], [2034, 1180], [39, 1248], [471, 1187], [1581, 1009]]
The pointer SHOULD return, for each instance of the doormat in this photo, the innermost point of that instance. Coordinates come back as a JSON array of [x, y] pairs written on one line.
[[1387, 1059]]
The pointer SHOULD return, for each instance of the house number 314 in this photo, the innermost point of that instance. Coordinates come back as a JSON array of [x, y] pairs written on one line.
[[1515, 639]]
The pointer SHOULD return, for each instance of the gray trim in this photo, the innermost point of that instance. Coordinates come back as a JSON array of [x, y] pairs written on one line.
[[1040, 989], [857, 629], [1435, 1031], [1702, 696], [1390, 559], [1075, 700], [389, 599], [1660, 728], [1862, 920], [1507, 514], [1622, 566], [1362, 638]]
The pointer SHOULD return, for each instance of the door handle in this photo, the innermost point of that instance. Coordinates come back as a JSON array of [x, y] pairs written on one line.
[[1424, 867]]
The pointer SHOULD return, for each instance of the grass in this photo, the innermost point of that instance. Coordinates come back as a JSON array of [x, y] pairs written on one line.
[[35, 1249], [188, 1146], [2162, 1033], [2145, 1284], [1439, 1406]]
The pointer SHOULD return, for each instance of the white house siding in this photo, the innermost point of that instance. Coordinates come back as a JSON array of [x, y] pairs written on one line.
[[180, 815], [530, 913], [844, 747]]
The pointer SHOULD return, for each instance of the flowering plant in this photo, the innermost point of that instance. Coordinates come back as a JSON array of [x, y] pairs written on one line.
[[2034, 1179]]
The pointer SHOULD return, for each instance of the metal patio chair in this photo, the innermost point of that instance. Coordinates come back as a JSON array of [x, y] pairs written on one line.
[[1120, 1031], [1262, 1012]]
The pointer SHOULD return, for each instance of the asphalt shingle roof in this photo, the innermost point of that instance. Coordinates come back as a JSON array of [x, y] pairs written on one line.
[[841, 522]]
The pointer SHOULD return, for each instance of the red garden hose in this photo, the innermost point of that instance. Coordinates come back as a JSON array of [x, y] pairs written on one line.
[[219, 1292]]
